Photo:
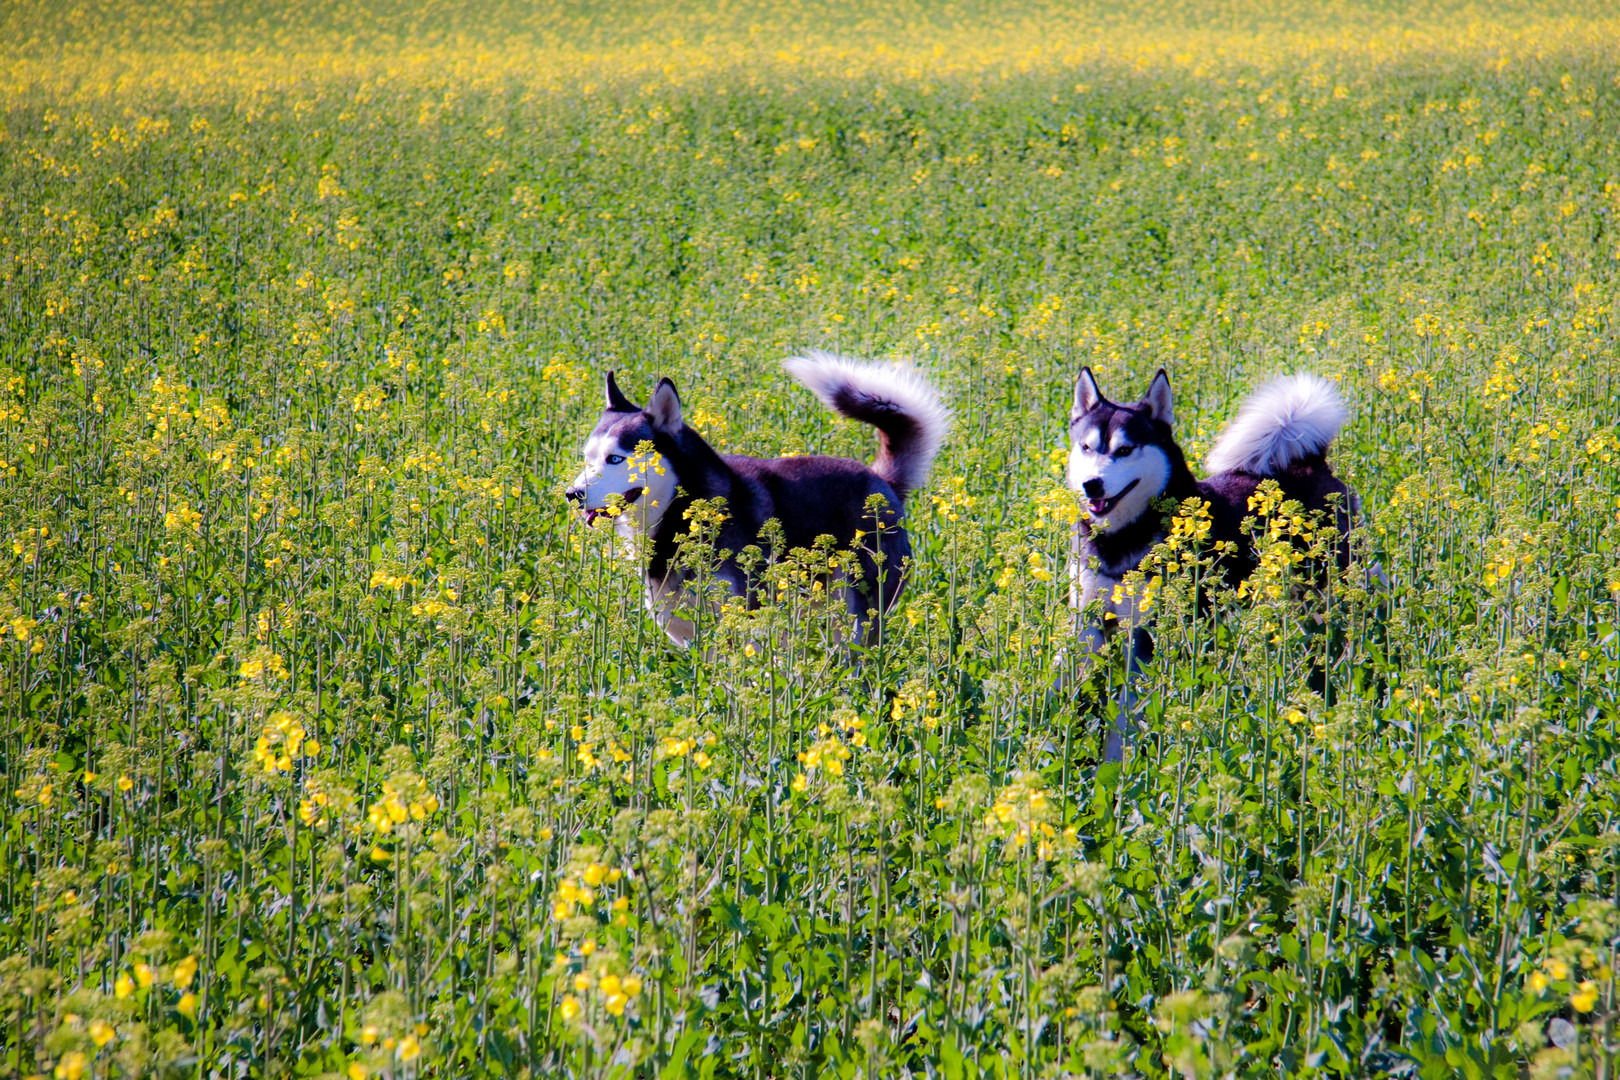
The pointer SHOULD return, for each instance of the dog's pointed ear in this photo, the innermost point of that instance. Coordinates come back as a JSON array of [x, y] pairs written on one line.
[[1158, 402], [616, 401], [1086, 394], [664, 410]]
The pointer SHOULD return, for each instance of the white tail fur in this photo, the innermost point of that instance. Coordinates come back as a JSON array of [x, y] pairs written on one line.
[[905, 408], [1288, 419]]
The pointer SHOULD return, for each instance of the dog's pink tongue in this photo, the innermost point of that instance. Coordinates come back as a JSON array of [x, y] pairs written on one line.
[[1096, 506]]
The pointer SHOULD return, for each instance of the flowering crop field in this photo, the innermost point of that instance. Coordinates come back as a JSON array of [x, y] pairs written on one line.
[[334, 744]]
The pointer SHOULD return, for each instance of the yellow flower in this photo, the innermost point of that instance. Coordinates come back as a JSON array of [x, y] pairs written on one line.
[[71, 1067], [1584, 999], [570, 1007], [185, 971], [187, 1004], [101, 1032], [1537, 982], [630, 985], [610, 985], [143, 975], [357, 1071], [123, 986], [1557, 970], [616, 1003], [409, 1049]]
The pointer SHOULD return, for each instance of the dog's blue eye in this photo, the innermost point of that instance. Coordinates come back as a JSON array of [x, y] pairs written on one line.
[[614, 459]]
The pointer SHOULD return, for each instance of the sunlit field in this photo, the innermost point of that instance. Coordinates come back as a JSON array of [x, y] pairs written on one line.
[[333, 744]]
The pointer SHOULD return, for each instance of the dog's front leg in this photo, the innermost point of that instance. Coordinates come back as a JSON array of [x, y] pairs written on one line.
[[1138, 654], [1085, 586]]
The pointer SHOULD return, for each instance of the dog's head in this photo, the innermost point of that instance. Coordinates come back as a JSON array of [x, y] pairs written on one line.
[[617, 465], [1117, 453]]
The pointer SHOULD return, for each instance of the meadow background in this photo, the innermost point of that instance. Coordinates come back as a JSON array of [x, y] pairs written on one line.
[[333, 745]]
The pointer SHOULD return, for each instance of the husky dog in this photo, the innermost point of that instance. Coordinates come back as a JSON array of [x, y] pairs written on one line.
[[1124, 458], [647, 494]]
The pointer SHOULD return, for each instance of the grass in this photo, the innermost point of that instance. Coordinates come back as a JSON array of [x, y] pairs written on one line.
[[334, 745]]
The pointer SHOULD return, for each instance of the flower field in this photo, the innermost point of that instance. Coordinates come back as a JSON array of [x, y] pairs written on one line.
[[333, 744]]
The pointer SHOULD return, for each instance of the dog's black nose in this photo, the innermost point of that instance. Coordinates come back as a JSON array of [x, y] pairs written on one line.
[[1094, 488], [575, 494]]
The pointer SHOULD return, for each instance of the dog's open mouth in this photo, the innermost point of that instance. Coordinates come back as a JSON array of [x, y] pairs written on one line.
[[1099, 507], [609, 511]]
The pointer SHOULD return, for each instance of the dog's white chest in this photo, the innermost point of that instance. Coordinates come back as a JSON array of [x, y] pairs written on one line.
[[1096, 583]]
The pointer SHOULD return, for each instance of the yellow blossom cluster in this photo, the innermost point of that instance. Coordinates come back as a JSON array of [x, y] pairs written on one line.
[[831, 748], [1555, 973], [436, 610], [678, 746], [614, 991], [1035, 564], [706, 512], [283, 741], [913, 700], [950, 497], [402, 800], [1139, 587], [37, 792], [1057, 504], [369, 399], [1179, 552], [169, 410], [1504, 380], [142, 976], [21, 627], [28, 543], [255, 668], [406, 1049], [575, 378], [384, 579], [1022, 817], [1282, 544], [182, 518], [312, 810], [578, 893], [585, 749]]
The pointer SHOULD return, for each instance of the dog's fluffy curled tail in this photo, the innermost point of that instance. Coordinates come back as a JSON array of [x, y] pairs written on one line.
[[1289, 419], [907, 411]]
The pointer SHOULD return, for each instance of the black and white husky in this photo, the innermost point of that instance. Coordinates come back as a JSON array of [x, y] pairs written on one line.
[[648, 493], [1124, 458]]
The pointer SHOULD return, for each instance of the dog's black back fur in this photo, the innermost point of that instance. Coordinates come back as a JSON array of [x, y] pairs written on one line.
[[810, 497]]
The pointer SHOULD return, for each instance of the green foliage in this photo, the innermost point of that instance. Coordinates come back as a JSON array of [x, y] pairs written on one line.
[[333, 744]]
